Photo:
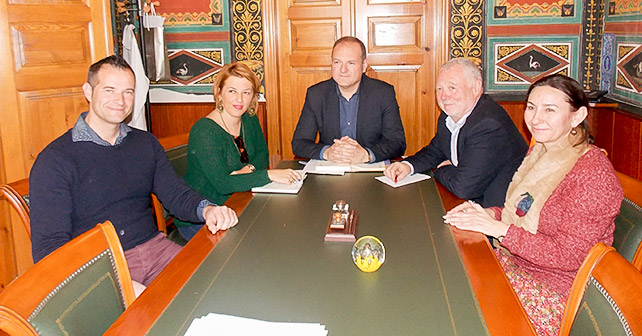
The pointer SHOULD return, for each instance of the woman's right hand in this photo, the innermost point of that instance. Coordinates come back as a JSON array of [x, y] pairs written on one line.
[[285, 176]]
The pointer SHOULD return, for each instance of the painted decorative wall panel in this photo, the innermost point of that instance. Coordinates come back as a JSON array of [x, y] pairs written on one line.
[[203, 36], [628, 70], [515, 62], [621, 70], [520, 12], [467, 29]]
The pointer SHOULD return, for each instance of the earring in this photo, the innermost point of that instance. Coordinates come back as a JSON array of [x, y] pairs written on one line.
[[220, 107], [574, 130], [251, 111]]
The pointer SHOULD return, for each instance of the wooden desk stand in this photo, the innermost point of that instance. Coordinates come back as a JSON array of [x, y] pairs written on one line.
[[347, 234]]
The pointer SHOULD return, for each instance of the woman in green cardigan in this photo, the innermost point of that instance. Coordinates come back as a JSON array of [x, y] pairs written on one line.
[[226, 151]]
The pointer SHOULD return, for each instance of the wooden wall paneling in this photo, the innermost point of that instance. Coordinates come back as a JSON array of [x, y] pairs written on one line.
[[400, 53], [307, 30], [21, 244], [270, 20], [51, 112], [627, 143], [7, 265], [290, 117], [516, 112], [46, 48], [178, 118], [9, 140], [408, 91], [601, 125]]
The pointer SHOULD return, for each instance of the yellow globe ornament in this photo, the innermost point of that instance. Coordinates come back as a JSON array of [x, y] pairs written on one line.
[[368, 253]]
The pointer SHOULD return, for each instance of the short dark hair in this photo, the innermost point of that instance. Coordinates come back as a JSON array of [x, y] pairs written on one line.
[[115, 61], [575, 97], [351, 39]]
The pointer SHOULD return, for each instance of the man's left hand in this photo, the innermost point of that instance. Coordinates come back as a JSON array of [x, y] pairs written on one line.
[[219, 218], [360, 154]]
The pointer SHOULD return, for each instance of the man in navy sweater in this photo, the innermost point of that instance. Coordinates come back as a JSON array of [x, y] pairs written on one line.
[[101, 169]]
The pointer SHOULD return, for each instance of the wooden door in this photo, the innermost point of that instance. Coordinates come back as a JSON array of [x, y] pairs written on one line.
[[405, 43], [46, 48]]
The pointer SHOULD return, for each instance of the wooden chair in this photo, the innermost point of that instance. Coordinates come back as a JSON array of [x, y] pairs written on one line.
[[17, 194], [605, 297], [79, 289], [627, 238], [159, 214]]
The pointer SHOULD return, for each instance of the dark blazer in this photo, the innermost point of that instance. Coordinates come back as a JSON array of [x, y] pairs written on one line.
[[378, 121], [489, 149]]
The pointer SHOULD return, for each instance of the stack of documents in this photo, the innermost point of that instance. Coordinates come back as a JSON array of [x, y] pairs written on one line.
[[281, 188], [219, 324], [333, 168]]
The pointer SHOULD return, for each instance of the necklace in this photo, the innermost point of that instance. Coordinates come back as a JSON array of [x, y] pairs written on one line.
[[227, 129], [238, 141]]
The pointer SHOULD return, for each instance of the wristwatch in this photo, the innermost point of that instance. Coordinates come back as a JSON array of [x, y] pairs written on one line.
[[251, 166]]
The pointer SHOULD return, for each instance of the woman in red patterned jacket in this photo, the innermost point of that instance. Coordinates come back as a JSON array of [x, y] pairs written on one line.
[[562, 200]]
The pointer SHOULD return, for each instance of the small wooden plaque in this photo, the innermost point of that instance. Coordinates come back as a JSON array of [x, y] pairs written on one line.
[[348, 234]]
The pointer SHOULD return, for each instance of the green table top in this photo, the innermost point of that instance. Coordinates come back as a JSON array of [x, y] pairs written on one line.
[[275, 266]]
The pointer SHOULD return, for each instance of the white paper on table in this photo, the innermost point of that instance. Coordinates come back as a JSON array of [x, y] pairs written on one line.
[[332, 168], [225, 325], [414, 178], [282, 188], [368, 167], [311, 168]]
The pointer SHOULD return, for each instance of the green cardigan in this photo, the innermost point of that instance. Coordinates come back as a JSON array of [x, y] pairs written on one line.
[[212, 156]]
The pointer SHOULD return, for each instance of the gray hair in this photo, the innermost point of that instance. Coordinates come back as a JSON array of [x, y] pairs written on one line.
[[471, 69]]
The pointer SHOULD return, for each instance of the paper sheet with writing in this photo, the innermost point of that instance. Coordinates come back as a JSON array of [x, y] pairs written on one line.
[[414, 178], [333, 168], [220, 324], [281, 188]]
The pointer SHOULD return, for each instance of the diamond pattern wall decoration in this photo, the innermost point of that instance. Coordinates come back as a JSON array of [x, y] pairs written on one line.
[[189, 67], [530, 63], [629, 67]]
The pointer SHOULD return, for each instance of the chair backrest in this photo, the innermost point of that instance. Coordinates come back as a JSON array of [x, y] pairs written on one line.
[[605, 296], [79, 289], [176, 149], [160, 214], [17, 194], [627, 237]]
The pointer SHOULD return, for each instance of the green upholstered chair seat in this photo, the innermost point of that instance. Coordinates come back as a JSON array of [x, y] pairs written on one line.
[[598, 314], [178, 158], [628, 229], [71, 308]]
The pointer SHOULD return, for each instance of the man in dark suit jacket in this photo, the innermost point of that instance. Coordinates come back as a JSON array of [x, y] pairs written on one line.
[[357, 117], [477, 148]]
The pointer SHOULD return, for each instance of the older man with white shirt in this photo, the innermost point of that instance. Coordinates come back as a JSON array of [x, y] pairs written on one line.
[[477, 148]]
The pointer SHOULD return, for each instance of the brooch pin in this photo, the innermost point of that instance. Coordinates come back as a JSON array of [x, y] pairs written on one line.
[[523, 204]]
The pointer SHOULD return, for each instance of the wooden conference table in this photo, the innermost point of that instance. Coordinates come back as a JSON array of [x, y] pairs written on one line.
[[275, 266]]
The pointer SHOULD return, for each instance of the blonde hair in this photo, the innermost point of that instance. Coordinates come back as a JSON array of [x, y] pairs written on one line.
[[238, 70]]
